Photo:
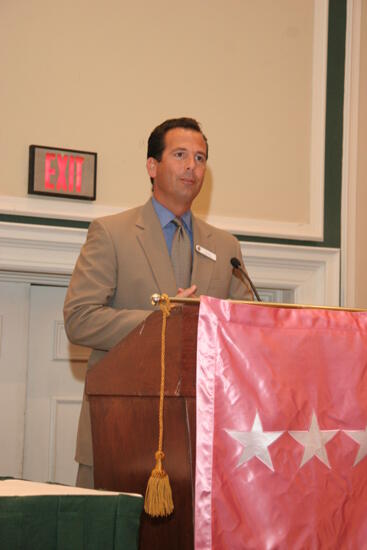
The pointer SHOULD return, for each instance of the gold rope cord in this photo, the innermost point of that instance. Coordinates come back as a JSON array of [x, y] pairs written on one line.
[[165, 308], [158, 496]]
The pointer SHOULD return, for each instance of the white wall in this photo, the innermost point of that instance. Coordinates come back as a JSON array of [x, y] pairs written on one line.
[[99, 76]]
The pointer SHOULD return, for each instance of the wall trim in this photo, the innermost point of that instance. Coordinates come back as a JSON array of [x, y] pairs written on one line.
[[60, 209], [38, 253], [312, 274], [55, 208], [47, 255], [318, 119], [350, 153]]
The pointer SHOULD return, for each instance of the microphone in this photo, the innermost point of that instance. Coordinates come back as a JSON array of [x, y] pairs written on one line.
[[237, 265]]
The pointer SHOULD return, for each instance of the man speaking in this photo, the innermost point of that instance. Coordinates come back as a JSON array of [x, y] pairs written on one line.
[[160, 247]]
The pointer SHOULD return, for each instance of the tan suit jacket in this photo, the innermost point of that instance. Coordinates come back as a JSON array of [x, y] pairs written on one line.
[[123, 262]]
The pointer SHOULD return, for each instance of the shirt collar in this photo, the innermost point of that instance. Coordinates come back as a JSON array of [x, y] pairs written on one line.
[[166, 216]]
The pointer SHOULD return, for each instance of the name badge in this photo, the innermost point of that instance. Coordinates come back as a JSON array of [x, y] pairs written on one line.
[[206, 252]]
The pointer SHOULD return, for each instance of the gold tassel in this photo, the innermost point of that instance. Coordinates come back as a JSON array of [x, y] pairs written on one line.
[[158, 496]]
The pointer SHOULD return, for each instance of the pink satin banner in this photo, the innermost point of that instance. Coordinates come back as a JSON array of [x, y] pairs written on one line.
[[281, 428]]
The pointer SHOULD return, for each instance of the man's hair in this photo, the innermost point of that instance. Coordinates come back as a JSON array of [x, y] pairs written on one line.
[[156, 141]]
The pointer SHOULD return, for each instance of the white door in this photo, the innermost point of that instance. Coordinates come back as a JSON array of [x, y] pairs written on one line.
[[14, 313], [56, 373]]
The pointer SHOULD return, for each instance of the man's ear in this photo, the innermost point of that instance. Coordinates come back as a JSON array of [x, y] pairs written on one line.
[[152, 167]]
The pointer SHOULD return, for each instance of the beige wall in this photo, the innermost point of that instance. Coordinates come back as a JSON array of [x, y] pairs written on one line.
[[361, 218], [99, 76]]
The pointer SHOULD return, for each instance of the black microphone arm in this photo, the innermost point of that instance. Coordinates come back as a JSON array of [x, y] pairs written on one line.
[[237, 265]]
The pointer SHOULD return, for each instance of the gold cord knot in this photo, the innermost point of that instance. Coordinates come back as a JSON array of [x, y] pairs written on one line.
[[165, 304]]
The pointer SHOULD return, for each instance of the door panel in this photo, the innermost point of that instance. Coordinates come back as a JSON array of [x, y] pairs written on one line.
[[56, 374], [14, 313]]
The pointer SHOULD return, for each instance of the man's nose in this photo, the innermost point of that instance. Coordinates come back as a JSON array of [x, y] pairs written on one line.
[[190, 162]]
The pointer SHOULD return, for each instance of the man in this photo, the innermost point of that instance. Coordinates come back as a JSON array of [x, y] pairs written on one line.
[[159, 247]]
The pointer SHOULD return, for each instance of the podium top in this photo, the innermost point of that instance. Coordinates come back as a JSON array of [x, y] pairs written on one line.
[[178, 300]]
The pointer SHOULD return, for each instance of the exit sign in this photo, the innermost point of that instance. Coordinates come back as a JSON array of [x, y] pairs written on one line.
[[62, 172]]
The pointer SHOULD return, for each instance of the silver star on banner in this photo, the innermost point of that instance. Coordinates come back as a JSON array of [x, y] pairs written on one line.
[[360, 437], [256, 443], [314, 441]]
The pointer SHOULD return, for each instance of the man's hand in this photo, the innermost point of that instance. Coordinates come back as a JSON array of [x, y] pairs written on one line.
[[187, 292]]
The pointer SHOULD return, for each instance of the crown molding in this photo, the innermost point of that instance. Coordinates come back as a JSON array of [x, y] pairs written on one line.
[[311, 273], [47, 255]]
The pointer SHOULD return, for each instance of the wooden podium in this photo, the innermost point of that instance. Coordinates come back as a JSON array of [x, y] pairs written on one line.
[[123, 390]]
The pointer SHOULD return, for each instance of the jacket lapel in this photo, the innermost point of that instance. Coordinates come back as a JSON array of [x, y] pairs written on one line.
[[151, 238], [203, 267]]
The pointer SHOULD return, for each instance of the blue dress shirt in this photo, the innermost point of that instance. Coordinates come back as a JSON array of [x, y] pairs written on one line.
[[166, 218]]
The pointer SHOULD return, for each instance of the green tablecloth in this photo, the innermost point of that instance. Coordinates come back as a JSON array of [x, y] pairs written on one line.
[[70, 522]]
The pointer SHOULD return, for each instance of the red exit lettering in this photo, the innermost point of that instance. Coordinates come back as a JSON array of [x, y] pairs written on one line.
[[67, 167]]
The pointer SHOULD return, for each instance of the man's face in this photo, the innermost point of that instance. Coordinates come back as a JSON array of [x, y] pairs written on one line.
[[179, 175]]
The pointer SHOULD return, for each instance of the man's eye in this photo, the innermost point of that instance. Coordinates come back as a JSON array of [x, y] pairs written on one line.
[[200, 158], [179, 154]]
